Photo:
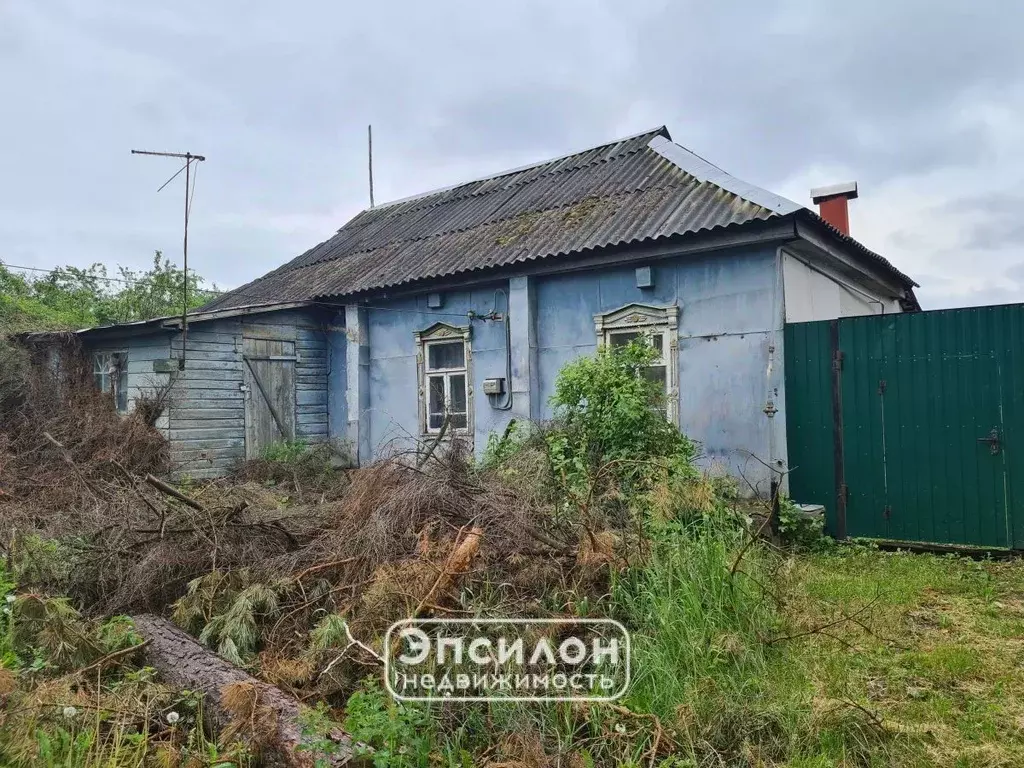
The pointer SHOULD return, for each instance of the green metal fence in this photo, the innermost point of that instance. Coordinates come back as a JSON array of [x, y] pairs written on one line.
[[910, 427]]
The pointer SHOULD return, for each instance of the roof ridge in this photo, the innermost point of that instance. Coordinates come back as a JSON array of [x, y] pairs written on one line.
[[653, 132], [705, 171]]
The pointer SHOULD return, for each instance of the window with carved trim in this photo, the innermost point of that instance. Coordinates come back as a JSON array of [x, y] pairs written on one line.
[[445, 390], [659, 327]]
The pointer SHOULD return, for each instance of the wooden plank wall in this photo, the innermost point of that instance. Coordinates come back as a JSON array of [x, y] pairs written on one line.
[[207, 415], [142, 380], [205, 418]]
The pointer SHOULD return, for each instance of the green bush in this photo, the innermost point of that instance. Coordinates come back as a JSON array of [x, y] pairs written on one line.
[[609, 433], [797, 528], [288, 451], [610, 409], [398, 733]]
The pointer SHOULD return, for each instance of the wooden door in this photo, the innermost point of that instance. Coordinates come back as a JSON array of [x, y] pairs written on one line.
[[269, 367]]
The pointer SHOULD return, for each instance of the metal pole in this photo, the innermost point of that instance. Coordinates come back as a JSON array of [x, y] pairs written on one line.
[[188, 157], [369, 138], [184, 286]]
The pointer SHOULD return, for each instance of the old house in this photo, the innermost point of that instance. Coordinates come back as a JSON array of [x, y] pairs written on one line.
[[465, 302]]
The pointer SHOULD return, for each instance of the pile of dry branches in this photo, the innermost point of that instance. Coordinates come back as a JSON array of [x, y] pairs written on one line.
[[84, 480], [291, 562]]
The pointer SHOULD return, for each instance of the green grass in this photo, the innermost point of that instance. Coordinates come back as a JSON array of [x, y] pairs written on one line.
[[760, 667], [938, 659]]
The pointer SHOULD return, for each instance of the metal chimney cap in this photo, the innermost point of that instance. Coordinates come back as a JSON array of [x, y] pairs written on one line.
[[847, 189]]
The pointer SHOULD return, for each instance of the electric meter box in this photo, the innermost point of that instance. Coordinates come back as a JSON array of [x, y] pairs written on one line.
[[494, 386]]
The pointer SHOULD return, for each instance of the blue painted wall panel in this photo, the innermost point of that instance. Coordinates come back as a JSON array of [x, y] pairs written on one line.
[[394, 389], [730, 312]]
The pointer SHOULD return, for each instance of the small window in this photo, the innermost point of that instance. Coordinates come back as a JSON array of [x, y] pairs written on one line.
[[445, 382], [657, 371], [446, 385], [658, 326], [110, 372]]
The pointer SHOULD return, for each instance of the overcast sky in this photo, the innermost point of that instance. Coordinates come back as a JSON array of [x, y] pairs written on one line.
[[921, 102]]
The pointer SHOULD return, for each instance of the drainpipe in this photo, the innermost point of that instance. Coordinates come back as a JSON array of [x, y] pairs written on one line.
[[771, 392]]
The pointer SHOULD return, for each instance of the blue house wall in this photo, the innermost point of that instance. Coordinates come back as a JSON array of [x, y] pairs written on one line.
[[730, 314], [394, 421], [730, 320]]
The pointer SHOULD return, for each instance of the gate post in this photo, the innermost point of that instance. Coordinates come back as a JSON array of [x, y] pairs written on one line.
[[837, 432]]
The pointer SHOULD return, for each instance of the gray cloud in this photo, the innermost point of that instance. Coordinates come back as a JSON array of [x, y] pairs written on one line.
[[914, 98]]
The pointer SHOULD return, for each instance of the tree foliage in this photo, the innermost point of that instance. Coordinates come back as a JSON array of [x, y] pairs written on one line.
[[609, 409], [610, 429], [73, 297]]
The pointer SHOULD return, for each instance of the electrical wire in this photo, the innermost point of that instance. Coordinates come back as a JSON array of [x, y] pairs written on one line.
[[95, 277], [212, 292]]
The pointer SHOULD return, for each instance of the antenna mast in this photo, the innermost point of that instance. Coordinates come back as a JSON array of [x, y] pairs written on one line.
[[369, 139], [188, 157]]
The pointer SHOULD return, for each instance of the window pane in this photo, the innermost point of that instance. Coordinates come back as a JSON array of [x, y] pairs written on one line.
[[435, 395], [658, 374], [622, 338], [459, 420], [457, 386], [658, 340], [447, 355], [435, 420]]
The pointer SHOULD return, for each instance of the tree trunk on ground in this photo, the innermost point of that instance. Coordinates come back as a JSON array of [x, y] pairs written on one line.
[[184, 663]]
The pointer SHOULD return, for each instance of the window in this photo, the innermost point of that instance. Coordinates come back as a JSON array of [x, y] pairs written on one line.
[[445, 390], [659, 325], [110, 372]]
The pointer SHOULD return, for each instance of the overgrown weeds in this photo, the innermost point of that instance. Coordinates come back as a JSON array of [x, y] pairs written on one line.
[[744, 654]]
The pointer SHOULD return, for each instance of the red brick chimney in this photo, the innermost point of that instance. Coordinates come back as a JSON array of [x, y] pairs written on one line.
[[832, 206]]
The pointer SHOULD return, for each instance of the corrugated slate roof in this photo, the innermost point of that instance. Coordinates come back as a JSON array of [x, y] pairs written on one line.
[[640, 188]]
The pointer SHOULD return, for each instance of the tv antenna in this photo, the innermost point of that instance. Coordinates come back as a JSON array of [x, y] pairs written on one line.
[[190, 188]]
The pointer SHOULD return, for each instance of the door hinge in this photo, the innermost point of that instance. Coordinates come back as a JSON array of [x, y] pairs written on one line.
[[844, 493], [887, 512], [881, 386]]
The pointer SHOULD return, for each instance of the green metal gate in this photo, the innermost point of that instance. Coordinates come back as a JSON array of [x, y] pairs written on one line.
[[910, 427]]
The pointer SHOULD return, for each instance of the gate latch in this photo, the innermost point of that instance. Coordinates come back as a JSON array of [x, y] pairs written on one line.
[[993, 441]]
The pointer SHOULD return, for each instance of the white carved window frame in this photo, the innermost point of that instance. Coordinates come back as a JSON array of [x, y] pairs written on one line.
[[441, 333], [650, 321]]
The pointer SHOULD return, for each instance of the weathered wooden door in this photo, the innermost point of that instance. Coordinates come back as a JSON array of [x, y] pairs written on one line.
[[270, 393]]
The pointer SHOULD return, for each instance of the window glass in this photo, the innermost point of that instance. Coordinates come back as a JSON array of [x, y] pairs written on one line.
[[435, 401], [623, 338], [457, 385], [447, 355], [658, 341], [100, 366], [446, 385], [657, 374], [110, 374]]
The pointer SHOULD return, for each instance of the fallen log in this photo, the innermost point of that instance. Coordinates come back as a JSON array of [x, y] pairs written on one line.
[[170, 490], [183, 662], [458, 561]]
